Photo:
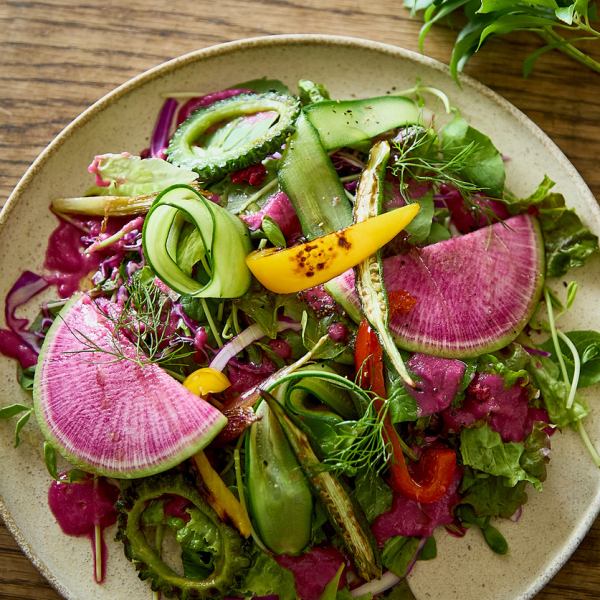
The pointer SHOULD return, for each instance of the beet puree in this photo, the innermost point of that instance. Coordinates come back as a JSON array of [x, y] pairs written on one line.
[[79, 506]]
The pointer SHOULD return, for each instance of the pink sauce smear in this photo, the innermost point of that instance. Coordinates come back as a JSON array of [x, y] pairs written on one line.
[[80, 507]]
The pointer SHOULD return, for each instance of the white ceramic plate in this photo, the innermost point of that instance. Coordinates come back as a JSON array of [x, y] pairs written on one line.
[[553, 523]]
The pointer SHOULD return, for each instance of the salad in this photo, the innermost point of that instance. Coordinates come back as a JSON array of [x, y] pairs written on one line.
[[298, 337]]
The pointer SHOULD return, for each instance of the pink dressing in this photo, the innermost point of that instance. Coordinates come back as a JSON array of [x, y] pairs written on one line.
[[85, 508]]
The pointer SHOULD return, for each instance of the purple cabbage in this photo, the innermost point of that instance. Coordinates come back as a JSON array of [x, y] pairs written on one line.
[[438, 382], [201, 101], [162, 130]]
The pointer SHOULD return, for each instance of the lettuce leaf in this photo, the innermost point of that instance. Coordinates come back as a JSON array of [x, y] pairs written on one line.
[[265, 577], [567, 241], [491, 496], [372, 494], [554, 391], [588, 347], [127, 175], [483, 449]]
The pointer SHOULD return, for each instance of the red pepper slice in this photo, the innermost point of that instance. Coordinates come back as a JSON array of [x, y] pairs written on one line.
[[437, 464]]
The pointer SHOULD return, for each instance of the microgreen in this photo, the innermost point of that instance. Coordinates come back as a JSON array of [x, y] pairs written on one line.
[[561, 25]]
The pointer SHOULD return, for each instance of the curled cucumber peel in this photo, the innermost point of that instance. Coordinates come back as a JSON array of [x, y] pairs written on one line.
[[196, 247]]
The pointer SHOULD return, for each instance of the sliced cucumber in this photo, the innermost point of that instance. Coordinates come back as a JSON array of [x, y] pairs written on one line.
[[348, 122], [221, 244], [307, 176], [235, 144]]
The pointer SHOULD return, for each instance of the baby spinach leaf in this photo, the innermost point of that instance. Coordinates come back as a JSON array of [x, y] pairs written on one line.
[[420, 227], [494, 539], [331, 589], [429, 550], [485, 167], [372, 494], [492, 496]]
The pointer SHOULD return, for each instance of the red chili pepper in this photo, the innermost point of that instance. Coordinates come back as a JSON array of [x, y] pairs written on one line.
[[437, 465]]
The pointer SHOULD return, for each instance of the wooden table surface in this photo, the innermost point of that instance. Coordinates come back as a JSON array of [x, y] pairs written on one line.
[[57, 57]]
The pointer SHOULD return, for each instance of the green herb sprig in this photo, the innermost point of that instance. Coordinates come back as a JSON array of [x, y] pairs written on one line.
[[561, 24]]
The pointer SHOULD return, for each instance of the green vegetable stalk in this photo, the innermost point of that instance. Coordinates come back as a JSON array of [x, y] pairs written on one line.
[[343, 513]]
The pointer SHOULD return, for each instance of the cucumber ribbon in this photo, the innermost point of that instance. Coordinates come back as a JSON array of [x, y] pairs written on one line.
[[196, 247]]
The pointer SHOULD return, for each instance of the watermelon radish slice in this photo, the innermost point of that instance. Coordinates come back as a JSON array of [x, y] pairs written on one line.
[[464, 296], [117, 418]]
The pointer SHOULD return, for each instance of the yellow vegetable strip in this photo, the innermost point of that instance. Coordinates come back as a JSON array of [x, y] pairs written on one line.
[[315, 262]]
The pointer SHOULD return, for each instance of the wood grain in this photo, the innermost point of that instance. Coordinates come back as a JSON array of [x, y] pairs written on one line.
[[57, 57]]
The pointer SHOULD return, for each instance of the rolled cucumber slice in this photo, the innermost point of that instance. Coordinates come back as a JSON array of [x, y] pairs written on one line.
[[221, 245]]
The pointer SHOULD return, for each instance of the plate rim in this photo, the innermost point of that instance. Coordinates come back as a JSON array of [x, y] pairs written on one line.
[[584, 525]]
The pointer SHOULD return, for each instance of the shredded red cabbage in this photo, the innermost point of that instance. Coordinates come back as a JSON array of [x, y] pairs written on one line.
[[162, 130], [201, 101]]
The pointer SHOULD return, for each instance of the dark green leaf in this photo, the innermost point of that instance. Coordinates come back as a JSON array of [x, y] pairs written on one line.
[[536, 454], [588, 348], [50, 460], [429, 550], [420, 227], [495, 540], [436, 13], [483, 449], [507, 23], [438, 233], [398, 553], [485, 167], [491, 496], [273, 233], [401, 591], [7, 412], [19, 426], [372, 494]]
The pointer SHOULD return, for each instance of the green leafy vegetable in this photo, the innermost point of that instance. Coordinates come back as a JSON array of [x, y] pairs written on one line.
[[129, 175], [419, 229], [488, 18], [492, 496], [50, 460], [429, 550], [587, 344], [485, 167], [483, 449], [494, 539], [546, 376], [372, 493], [398, 553], [200, 544], [567, 242], [273, 233]]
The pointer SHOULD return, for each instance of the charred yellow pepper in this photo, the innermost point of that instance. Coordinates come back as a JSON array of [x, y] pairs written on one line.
[[206, 381], [202, 382], [222, 499], [315, 262]]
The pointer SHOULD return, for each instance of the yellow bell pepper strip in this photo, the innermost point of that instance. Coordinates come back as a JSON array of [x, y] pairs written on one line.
[[202, 382], [222, 498], [306, 265], [206, 381]]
